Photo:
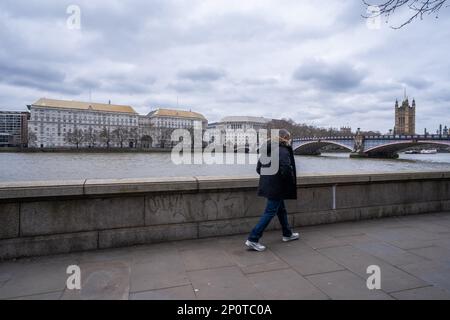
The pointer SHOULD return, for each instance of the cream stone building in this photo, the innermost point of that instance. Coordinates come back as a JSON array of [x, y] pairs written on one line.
[[156, 127], [237, 130], [53, 120]]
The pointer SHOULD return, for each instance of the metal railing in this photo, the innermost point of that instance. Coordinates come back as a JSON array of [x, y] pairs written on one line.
[[380, 137]]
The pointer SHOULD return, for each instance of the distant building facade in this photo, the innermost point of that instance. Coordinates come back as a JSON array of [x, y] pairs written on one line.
[[156, 128], [345, 131], [52, 121], [13, 129], [239, 127], [405, 118]]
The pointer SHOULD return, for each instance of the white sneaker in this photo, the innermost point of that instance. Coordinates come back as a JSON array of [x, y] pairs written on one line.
[[255, 245], [294, 236]]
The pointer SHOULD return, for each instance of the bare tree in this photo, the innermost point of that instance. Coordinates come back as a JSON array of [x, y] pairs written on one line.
[[105, 136], [120, 135], [31, 139], [134, 136], [91, 137], [75, 138], [166, 137], [301, 130], [418, 7]]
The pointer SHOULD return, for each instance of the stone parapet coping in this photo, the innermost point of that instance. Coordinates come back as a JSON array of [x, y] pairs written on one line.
[[105, 187]]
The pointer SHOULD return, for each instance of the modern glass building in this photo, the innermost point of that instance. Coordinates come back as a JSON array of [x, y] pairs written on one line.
[[13, 128]]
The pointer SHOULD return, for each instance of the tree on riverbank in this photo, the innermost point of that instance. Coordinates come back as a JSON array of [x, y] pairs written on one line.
[[120, 135], [166, 137], [301, 130], [31, 139], [91, 137], [75, 137], [105, 137], [135, 136]]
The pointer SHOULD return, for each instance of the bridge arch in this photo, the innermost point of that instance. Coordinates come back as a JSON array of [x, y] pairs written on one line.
[[313, 147], [397, 146]]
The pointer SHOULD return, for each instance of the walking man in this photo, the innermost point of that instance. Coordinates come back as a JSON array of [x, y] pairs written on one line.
[[276, 188]]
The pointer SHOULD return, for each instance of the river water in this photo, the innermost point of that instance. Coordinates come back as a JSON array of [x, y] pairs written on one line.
[[70, 166]]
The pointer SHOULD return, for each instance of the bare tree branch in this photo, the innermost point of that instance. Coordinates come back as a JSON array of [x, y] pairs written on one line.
[[106, 136], [76, 137], [418, 7], [120, 135]]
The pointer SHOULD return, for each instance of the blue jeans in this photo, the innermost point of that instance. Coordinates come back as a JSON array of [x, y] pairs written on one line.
[[273, 207]]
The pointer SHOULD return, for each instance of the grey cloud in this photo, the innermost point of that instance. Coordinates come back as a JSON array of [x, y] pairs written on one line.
[[52, 9], [127, 87], [38, 77], [337, 76], [442, 95], [202, 74], [417, 82], [13, 71], [87, 83], [260, 81], [187, 86], [239, 99], [222, 59], [127, 83]]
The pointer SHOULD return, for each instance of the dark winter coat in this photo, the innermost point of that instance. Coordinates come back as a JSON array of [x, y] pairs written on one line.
[[283, 184]]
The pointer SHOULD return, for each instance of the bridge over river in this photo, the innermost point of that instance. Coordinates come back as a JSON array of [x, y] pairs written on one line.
[[382, 146]]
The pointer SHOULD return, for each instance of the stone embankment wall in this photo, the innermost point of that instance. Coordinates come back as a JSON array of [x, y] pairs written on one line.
[[41, 218]]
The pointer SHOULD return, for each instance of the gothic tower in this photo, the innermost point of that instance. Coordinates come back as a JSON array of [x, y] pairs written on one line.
[[405, 118]]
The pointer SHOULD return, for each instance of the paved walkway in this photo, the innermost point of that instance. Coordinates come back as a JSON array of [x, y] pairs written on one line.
[[329, 262]]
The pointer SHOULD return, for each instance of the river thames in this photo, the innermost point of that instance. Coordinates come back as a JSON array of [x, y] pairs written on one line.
[[72, 166]]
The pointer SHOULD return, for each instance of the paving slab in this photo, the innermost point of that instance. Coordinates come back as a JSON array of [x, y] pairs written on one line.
[[434, 252], [32, 277], [427, 225], [443, 243], [404, 233], [285, 285], [102, 281], [227, 283], [445, 223], [385, 223], [329, 261], [345, 285], [357, 261], [146, 253], [45, 296], [175, 293], [204, 258], [157, 269], [357, 238], [304, 259], [199, 243], [119, 254], [389, 253], [250, 261], [408, 244], [434, 272], [426, 293], [320, 241], [342, 229]]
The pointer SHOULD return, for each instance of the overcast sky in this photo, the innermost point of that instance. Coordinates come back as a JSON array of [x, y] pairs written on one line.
[[316, 62]]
